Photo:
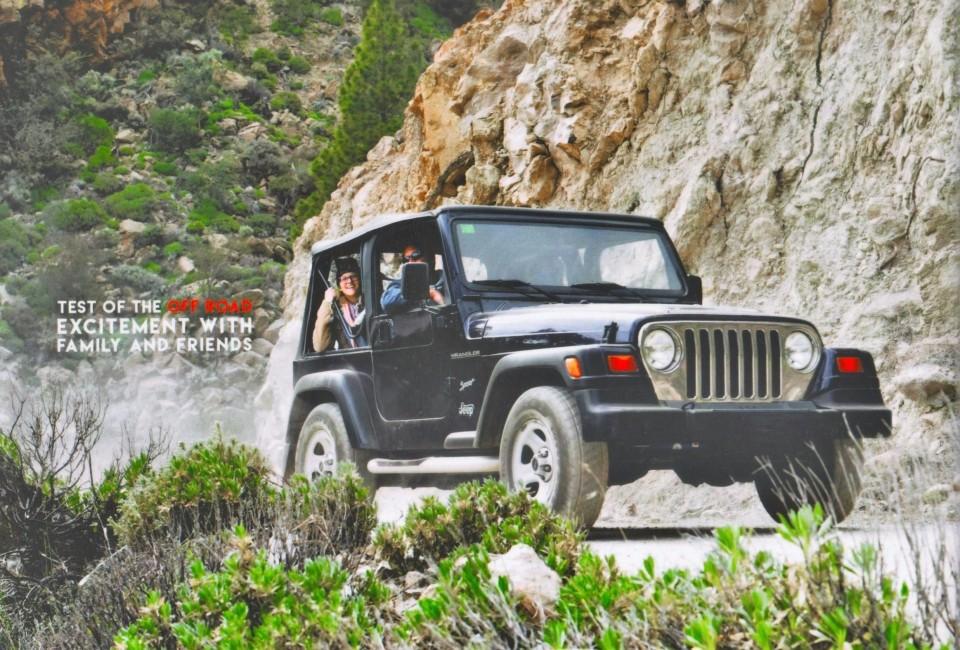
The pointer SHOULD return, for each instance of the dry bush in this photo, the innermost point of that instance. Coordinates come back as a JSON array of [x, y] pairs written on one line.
[[54, 510]]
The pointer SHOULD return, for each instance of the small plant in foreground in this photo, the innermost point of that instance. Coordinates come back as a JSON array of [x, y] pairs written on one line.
[[54, 516], [476, 513], [253, 603], [203, 489]]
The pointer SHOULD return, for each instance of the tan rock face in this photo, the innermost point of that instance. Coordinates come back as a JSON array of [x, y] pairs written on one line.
[[805, 155], [85, 23]]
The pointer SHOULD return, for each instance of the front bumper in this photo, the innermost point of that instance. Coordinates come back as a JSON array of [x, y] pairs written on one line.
[[750, 425]]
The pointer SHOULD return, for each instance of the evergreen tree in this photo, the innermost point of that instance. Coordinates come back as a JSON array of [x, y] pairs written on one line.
[[376, 88]]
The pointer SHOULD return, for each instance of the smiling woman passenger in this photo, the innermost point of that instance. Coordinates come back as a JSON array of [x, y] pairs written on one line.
[[348, 297]]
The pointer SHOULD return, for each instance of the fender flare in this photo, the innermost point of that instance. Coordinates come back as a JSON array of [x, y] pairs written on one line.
[[514, 371], [346, 389]]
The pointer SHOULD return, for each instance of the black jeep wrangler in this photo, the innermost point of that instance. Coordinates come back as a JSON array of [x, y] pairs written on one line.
[[567, 352]]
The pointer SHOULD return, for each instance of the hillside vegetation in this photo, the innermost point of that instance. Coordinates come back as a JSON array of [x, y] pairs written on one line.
[[205, 552], [172, 164]]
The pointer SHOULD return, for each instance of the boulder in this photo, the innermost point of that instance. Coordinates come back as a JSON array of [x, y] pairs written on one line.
[[255, 296], [531, 580], [185, 264], [272, 333], [927, 381], [251, 132], [250, 359], [126, 136], [131, 227], [262, 347]]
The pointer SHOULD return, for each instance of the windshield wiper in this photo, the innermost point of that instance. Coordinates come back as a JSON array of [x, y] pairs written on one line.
[[606, 287], [519, 285]]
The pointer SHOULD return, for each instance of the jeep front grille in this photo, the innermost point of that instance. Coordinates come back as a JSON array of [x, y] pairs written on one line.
[[732, 362]]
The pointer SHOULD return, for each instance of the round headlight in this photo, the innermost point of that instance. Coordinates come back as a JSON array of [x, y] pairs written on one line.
[[660, 350], [800, 351]]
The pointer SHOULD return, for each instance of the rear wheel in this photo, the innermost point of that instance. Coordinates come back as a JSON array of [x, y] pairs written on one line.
[[324, 444], [542, 452], [827, 473]]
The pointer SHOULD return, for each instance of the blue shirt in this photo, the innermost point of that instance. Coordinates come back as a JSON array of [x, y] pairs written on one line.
[[392, 300]]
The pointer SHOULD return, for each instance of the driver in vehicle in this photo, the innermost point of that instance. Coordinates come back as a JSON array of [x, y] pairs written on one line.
[[392, 300], [349, 299]]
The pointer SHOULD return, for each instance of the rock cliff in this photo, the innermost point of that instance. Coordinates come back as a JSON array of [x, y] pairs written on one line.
[[805, 155], [84, 25]]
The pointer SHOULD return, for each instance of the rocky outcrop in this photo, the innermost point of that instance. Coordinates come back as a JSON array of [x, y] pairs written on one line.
[[804, 154], [79, 24]]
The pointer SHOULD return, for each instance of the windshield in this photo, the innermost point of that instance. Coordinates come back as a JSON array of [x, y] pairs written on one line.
[[566, 255]]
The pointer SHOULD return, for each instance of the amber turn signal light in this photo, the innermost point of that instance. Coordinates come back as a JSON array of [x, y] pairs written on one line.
[[849, 364], [622, 363], [573, 367]]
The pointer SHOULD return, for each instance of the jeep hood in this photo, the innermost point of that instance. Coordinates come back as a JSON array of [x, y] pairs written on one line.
[[589, 320]]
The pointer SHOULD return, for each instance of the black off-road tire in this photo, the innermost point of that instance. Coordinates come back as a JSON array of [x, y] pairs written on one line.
[[579, 470], [314, 453], [828, 474]]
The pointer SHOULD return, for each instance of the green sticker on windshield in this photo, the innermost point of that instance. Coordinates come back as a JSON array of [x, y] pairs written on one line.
[[467, 229]]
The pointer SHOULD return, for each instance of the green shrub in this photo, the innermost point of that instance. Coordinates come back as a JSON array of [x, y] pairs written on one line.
[[268, 58], [834, 598], [102, 157], [88, 133], [152, 235], [236, 22], [75, 215], [213, 181], [15, 243], [173, 249], [107, 183], [50, 252], [207, 215], [332, 16], [174, 131], [293, 16], [137, 278], [203, 489], [5, 211], [9, 338], [286, 101], [195, 82], [263, 223], [427, 24], [40, 197], [146, 76], [287, 188], [261, 159], [484, 514], [165, 168], [256, 600], [136, 201], [299, 65]]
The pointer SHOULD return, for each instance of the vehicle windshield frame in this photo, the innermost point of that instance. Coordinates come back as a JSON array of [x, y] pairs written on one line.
[[670, 255]]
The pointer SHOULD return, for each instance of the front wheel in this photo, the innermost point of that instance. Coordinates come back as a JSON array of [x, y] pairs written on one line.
[[542, 452], [827, 473], [324, 444]]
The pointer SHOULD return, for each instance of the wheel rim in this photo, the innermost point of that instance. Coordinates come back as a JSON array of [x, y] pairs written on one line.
[[533, 459], [318, 454]]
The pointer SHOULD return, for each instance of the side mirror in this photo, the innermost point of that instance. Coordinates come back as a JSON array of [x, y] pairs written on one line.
[[415, 282], [694, 290]]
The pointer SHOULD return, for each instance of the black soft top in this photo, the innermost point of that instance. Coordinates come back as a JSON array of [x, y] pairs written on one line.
[[487, 210]]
